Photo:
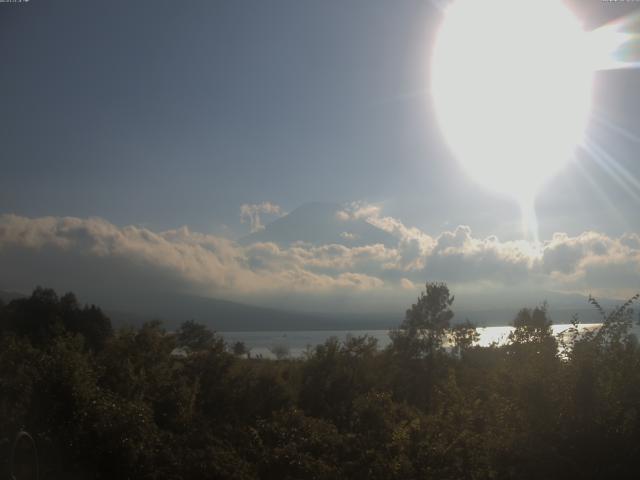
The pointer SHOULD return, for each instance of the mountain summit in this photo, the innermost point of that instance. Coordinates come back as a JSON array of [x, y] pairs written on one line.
[[320, 223]]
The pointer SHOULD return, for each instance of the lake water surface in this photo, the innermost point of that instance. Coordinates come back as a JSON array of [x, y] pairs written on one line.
[[297, 342]]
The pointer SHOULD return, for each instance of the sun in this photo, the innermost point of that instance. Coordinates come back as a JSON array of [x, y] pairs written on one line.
[[511, 83]]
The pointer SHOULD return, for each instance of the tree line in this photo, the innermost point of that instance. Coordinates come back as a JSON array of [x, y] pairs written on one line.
[[103, 403]]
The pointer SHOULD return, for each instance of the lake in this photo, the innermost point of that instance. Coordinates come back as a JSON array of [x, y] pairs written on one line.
[[297, 342]]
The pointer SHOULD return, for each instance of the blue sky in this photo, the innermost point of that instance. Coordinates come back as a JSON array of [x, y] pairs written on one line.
[[168, 114], [163, 114]]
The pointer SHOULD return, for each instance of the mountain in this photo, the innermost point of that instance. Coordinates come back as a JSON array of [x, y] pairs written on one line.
[[227, 316], [320, 224], [224, 315], [219, 315]]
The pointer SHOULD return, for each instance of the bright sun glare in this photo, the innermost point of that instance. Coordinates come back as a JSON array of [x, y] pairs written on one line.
[[511, 82]]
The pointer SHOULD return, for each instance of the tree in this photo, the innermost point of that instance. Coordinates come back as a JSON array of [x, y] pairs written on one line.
[[464, 335], [533, 326], [335, 374], [239, 349], [90, 321], [426, 322], [195, 336], [44, 316], [36, 317]]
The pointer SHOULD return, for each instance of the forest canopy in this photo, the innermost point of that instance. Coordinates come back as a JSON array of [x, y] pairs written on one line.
[[105, 403]]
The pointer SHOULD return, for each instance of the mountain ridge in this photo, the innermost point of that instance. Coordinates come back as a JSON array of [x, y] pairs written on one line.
[[318, 223], [227, 316]]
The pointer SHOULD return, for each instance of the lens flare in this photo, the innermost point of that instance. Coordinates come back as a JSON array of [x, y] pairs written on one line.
[[511, 83]]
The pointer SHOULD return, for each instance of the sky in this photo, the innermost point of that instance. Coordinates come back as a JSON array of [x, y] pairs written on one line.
[[143, 142]]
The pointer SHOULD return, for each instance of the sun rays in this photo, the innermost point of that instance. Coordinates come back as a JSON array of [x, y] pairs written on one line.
[[513, 94]]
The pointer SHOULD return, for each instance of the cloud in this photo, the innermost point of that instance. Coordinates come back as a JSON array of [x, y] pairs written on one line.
[[407, 284], [458, 257], [357, 211], [251, 213], [587, 263], [348, 236], [343, 215], [333, 257], [74, 253], [413, 244], [186, 260], [593, 262]]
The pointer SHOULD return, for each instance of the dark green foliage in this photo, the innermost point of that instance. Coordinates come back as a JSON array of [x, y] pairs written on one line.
[[417, 350], [297, 446], [335, 374], [239, 349], [195, 336], [132, 404], [426, 322], [43, 316], [464, 335]]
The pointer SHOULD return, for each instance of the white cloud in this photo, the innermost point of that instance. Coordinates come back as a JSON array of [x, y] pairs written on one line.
[[457, 256], [413, 244], [358, 210], [251, 213], [593, 262], [94, 250], [343, 215], [407, 284], [191, 261], [348, 236]]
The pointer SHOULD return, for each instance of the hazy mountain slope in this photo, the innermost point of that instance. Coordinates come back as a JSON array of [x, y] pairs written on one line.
[[224, 315]]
